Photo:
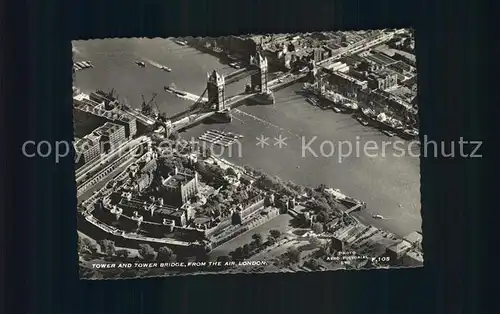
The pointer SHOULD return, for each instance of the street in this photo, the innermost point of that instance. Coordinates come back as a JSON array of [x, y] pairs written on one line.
[[87, 194]]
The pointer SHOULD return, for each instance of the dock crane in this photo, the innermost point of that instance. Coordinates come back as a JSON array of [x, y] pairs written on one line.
[[160, 115], [146, 107]]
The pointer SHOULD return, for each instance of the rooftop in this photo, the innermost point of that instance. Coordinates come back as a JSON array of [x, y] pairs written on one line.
[[400, 247], [86, 142], [415, 255], [404, 92], [414, 237], [168, 211], [108, 129], [177, 179], [401, 66], [348, 77], [201, 220]]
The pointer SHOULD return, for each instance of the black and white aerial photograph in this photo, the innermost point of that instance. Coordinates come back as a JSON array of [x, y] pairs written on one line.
[[250, 154]]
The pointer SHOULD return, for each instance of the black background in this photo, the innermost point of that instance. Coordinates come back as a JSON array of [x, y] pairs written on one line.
[[457, 195]]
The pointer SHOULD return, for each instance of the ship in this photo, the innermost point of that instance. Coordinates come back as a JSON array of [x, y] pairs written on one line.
[[180, 42], [141, 64], [410, 134], [235, 65], [167, 69], [388, 133], [362, 121], [337, 110], [312, 101], [172, 89]]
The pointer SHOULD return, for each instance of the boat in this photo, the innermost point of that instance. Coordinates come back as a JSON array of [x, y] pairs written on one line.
[[388, 133], [337, 110], [413, 132], [312, 101], [235, 65], [368, 113], [180, 42], [165, 68], [140, 63], [362, 121], [377, 216]]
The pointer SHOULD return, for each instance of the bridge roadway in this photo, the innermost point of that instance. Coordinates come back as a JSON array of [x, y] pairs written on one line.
[[231, 103], [139, 116]]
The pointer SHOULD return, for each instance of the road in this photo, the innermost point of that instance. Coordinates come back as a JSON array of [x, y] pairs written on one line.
[[281, 223], [105, 180]]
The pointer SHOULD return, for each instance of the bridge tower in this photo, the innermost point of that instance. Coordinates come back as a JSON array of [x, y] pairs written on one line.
[[259, 81], [168, 128], [216, 90], [313, 72]]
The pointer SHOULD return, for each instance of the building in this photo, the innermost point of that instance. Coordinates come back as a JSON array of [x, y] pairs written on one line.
[[345, 84], [405, 57], [413, 258], [89, 110], [112, 136], [398, 250], [144, 176], [336, 245], [179, 187], [402, 68], [87, 149], [415, 238], [153, 211], [382, 101], [381, 80], [320, 54]]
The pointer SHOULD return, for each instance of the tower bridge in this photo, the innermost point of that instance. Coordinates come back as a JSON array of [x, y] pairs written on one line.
[[214, 100]]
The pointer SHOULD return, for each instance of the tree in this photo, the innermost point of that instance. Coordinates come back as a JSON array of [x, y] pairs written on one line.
[[223, 259], [315, 241], [323, 216], [147, 252], [248, 169], [321, 188], [165, 254], [122, 253], [237, 254], [313, 264], [174, 136], [107, 247], [294, 255], [309, 191], [257, 237], [274, 234], [319, 205], [88, 246], [231, 172], [317, 228], [246, 250]]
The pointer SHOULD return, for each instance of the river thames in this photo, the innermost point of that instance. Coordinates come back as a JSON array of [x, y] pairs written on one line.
[[388, 182]]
